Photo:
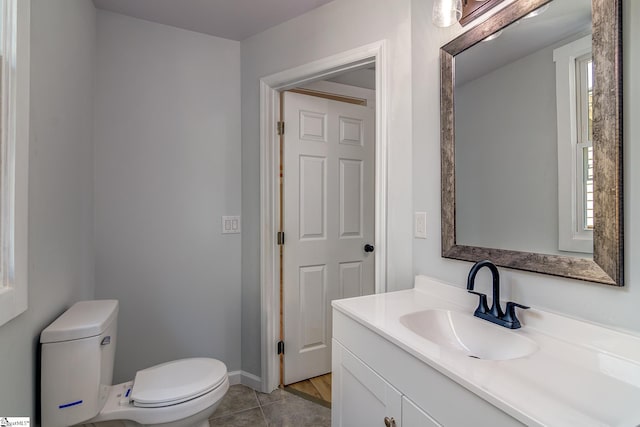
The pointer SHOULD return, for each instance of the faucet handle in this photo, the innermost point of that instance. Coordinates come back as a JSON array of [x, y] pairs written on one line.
[[515, 304], [483, 307], [510, 314]]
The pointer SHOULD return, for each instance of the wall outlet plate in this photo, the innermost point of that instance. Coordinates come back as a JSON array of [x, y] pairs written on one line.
[[230, 225], [420, 225]]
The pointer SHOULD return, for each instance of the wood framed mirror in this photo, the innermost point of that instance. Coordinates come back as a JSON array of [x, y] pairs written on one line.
[[473, 9], [605, 263]]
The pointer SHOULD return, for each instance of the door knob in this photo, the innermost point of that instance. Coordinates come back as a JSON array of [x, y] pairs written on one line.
[[389, 422], [368, 248]]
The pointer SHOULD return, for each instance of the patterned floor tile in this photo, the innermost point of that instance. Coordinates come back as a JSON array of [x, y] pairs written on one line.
[[238, 398], [274, 396], [293, 411], [247, 418]]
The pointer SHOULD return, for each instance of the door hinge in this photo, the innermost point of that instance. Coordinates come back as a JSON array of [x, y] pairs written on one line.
[[280, 237], [280, 347], [280, 127]]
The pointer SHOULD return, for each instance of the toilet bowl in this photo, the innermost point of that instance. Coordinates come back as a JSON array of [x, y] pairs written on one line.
[[78, 352], [174, 394]]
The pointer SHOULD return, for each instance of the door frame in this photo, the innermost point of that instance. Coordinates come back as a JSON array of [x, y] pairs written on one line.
[[270, 87]]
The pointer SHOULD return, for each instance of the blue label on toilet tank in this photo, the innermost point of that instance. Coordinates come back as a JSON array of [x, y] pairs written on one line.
[[68, 405]]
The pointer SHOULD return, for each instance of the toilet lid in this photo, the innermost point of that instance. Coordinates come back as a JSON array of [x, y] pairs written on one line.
[[176, 382]]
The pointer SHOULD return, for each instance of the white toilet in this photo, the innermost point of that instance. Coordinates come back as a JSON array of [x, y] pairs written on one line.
[[78, 351]]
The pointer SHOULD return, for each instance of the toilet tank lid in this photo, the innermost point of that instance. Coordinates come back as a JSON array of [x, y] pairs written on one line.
[[83, 320]]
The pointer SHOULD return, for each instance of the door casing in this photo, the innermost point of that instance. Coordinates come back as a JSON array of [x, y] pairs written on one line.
[[270, 86]]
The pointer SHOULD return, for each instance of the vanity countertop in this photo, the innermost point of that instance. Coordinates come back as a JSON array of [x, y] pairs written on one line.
[[581, 375]]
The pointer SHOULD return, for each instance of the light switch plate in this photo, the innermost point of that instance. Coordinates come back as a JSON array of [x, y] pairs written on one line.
[[420, 225], [230, 224]]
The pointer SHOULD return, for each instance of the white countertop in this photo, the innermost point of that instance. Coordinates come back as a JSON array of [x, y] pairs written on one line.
[[582, 374]]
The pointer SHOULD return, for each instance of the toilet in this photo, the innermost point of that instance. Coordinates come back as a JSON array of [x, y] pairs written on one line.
[[77, 358]]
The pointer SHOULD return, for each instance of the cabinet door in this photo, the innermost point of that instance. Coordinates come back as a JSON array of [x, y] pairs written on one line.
[[412, 416], [361, 398]]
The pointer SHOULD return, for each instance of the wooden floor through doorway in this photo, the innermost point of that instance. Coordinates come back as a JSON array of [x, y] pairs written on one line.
[[316, 389]]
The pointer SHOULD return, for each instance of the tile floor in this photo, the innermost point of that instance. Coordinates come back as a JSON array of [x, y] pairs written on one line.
[[243, 406]]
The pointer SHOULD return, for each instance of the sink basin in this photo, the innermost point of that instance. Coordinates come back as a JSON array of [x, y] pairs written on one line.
[[474, 337]]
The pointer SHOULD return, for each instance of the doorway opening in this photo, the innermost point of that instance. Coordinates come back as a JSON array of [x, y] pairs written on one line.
[[272, 307], [327, 143]]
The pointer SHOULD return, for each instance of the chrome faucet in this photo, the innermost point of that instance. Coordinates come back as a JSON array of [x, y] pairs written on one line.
[[494, 314]]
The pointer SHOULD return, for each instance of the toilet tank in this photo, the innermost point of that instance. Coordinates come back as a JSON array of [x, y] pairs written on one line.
[[77, 356]]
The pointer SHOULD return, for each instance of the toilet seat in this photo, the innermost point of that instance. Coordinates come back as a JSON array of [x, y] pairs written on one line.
[[116, 409], [176, 382]]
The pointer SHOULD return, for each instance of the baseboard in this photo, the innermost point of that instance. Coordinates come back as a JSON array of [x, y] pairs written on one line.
[[245, 378]]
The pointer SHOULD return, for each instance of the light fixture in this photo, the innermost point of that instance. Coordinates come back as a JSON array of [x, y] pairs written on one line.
[[446, 12], [538, 11], [492, 36]]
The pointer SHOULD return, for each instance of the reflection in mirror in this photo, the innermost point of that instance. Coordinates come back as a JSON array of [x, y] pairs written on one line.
[[531, 140], [520, 184]]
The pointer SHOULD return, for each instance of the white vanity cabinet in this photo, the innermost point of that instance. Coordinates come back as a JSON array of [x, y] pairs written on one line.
[[412, 416], [394, 356], [374, 379], [366, 399]]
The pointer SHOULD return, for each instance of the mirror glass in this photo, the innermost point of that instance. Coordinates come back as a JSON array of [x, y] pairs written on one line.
[[523, 146], [528, 182]]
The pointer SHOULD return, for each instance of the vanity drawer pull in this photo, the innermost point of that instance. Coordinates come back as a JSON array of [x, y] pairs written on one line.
[[389, 422]]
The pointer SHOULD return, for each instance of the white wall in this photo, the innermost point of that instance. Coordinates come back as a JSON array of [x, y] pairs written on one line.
[[364, 78], [335, 27], [611, 306], [167, 167], [507, 157], [60, 190]]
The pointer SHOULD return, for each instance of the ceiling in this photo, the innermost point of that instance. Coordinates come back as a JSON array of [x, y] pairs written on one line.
[[229, 19], [363, 77], [562, 20]]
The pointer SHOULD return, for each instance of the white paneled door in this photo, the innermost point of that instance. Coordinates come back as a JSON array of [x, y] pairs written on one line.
[[328, 222]]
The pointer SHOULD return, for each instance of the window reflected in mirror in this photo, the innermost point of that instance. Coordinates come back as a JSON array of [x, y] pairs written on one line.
[[574, 113]]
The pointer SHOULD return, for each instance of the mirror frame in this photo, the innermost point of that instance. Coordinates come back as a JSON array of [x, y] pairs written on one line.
[[607, 264]]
